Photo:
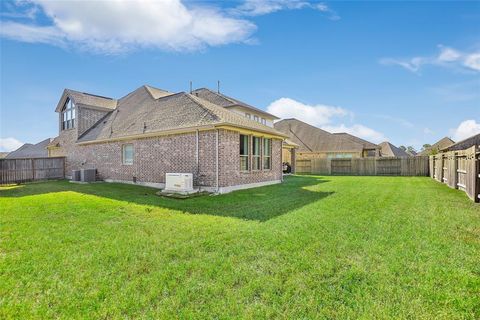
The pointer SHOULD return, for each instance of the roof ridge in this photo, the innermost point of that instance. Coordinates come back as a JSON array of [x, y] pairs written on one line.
[[200, 104]]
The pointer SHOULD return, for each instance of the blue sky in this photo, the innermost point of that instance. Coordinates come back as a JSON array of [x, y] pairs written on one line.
[[407, 72]]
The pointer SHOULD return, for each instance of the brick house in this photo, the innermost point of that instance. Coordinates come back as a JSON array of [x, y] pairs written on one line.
[[226, 144]]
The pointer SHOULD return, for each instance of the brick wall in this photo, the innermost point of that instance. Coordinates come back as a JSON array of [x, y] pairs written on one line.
[[153, 157], [230, 174]]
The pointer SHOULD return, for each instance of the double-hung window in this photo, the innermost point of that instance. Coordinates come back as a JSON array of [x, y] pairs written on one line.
[[244, 152], [127, 154], [256, 155], [255, 118], [68, 115], [267, 154]]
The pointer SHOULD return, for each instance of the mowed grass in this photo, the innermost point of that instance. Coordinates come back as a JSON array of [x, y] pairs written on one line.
[[312, 247]]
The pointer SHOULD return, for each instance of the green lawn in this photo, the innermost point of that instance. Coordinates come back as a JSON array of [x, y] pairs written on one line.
[[312, 247]]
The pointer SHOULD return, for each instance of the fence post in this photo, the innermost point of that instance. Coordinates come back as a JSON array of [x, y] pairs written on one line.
[[454, 175], [33, 169], [476, 178]]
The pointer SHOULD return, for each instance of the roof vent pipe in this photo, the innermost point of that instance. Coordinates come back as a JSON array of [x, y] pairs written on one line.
[[218, 86], [190, 87]]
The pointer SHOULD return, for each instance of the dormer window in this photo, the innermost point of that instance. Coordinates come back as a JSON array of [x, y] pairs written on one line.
[[68, 115]]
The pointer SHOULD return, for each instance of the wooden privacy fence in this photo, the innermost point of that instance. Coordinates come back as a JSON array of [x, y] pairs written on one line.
[[26, 170], [411, 166], [459, 170]]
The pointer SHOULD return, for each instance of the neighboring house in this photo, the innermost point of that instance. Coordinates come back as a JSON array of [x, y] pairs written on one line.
[[317, 143], [389, 150], [28, 150], [369, 149], [411, 153], [464, 144], [3, 155], [150, 132], [437, 146]]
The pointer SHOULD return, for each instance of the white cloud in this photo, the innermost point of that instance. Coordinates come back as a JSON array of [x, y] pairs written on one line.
[[261, 7], [465, 130], [447, 57], [116, 26], [472, 61], [9, 144], [315, 114], [323, 116], [119, 26]]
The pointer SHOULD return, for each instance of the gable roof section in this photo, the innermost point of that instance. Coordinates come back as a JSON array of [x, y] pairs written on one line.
[[86, 99], [366, 144], [313, 139], [139, 113], [29, 150], [389, 150], [157, 93], [439, 145], [226, 101], [464, 144]]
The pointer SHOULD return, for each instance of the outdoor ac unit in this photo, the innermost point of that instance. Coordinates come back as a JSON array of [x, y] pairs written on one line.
[[182, 182], [75, 175], [88, 175]]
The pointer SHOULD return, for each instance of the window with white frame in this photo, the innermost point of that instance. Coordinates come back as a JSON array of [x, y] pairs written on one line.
[[264, 121], [267, 153], [127, 154], [244, 152], [248, 116], [68, 115], [256, 155], [255, 118]]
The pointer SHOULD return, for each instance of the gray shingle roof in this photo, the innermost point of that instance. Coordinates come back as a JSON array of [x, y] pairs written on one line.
[[225, 101], [140, 113], [464, 144], [28, 150], [313, 139], [366, 144], [439, 145], [87, 99], [389, 150]]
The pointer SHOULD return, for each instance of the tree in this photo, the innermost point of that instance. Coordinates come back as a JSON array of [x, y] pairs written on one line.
[[426, 146], [411, 149], [403, 148]]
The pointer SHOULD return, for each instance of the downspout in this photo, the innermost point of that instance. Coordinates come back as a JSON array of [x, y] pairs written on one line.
[[216, 165], [281, 158], [197, 159], [196, 153]]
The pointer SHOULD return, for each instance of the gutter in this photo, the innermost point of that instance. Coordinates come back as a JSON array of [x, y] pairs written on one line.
[[222, 125]]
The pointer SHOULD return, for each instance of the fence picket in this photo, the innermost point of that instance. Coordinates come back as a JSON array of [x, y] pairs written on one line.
[[24, 170]]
